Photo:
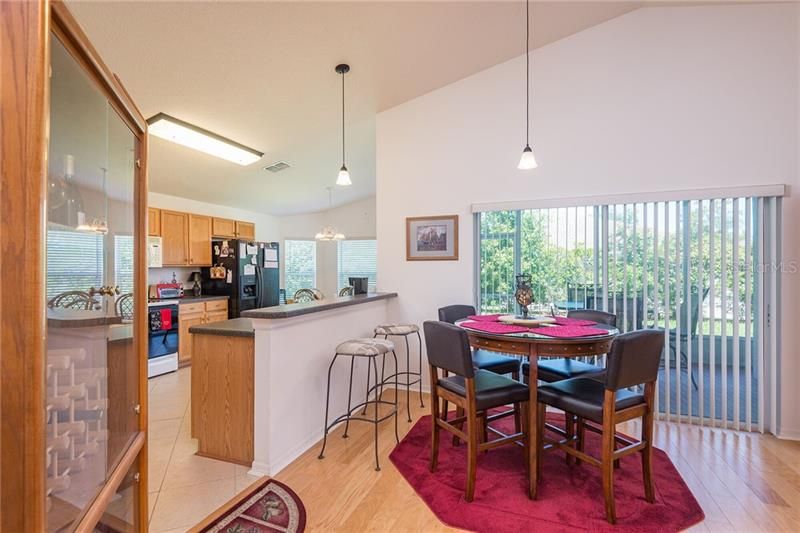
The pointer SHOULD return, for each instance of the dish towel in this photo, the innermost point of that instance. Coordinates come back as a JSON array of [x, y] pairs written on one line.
[[166, 319]]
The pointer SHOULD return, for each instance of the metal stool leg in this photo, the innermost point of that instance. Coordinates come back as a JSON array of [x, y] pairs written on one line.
[[349, 397], [327, 404], [375, 366], [366, 398], [396, 414], [408, 380], [383, 374], [419, 338]]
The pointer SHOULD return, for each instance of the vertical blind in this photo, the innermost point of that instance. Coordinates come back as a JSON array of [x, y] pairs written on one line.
[[701, 271], [357, 258], [300, 270]]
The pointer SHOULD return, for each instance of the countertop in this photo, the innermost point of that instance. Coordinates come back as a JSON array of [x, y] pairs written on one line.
[[292, 310], [236, 327], [189, 299]]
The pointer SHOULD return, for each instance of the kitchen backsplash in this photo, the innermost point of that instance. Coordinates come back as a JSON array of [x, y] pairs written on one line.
[[164, 275]]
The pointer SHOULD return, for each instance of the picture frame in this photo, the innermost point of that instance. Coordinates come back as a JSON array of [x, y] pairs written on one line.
[[432, 238]]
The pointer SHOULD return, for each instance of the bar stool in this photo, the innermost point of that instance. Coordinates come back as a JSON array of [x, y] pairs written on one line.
[[369, 348], [403, 330]]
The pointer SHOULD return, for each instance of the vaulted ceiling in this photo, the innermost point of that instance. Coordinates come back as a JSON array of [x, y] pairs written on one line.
[[262, 74]]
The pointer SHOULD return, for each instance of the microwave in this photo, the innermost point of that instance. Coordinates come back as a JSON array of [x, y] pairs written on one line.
[[154, 252]]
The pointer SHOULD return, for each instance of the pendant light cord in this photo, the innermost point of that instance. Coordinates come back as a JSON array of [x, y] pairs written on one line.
[[343, 141], [527, 73]]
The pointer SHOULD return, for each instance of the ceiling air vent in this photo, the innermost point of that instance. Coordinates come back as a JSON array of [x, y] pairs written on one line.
[[277, 166]]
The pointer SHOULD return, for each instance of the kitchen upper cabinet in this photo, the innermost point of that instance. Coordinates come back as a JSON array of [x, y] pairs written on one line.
[[245, 230], [153, 222], [174, 235], [199, 240], [223, 227]]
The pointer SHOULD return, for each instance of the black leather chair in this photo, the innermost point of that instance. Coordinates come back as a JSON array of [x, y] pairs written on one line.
[[633, 360], [551, 370], [482, 359], [474, 391]]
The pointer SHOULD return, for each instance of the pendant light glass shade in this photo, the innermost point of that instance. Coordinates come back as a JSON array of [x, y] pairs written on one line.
[[344, 177], [329, 234], [527, 161]]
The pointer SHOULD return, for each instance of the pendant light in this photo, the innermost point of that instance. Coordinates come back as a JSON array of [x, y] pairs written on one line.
[[527, 161], [344, 174], [329, 233]]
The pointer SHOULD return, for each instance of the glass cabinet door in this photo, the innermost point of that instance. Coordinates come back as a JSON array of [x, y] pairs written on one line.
[[92, 368]]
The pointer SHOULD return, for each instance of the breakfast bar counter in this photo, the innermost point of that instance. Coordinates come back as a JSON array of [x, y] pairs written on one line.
[[294, 346]]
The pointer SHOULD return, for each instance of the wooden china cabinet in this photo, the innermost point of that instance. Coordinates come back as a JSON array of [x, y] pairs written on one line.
[[73, 335]]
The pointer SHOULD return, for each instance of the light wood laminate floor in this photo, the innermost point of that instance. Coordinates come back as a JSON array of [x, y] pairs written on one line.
[[743, 481]]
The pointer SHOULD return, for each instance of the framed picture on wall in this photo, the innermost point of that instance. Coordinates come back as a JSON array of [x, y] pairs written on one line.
[[432, 238]]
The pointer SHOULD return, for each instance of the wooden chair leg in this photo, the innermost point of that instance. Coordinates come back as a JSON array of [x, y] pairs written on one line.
[[569, 429], [607, 454], [523, 407], [540, 421], [647, 453], [484, 435], [581, 438], [472, 452], [445, 407], [459, 425], [434, 431], [517, 422]]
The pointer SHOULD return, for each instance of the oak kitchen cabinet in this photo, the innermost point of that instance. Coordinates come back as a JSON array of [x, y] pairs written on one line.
[[174, 240], [199, 240], [193, 314], [223, 227], [186, 237], [245, 230], [153, 222]]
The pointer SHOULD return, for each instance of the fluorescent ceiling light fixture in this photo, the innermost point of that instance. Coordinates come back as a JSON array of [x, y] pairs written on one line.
[[195, 137]]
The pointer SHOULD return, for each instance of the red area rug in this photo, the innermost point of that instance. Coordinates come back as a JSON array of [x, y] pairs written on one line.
[[570, 497], [267, 506]]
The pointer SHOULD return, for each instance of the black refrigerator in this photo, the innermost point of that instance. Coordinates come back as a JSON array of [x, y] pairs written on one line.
[[251, 274]]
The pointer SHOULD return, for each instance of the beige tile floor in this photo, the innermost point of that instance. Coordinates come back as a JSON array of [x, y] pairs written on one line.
[[183, 488]]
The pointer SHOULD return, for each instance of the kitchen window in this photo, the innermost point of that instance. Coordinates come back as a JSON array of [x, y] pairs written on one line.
[[357, 258], [123, 263], [300, 270], [74, 261]]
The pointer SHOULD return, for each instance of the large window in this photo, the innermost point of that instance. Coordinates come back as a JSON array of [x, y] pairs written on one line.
[[74, 261], [357, 258], [702, 271], [123, 263], [300, 270]]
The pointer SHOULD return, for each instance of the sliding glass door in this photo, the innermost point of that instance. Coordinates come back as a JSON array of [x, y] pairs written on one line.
[[701, 271]]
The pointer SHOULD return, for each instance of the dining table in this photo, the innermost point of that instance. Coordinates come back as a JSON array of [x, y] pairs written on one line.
[[566, 339]]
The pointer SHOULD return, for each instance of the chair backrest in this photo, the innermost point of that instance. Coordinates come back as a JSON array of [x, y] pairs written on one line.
[[696, 299], [634, 359], [73, 300], [346, 291], [601, 317], [448, 348], [124, 306], [451, 313]]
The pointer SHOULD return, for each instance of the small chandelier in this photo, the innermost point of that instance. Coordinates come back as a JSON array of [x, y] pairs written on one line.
[[329, 233]]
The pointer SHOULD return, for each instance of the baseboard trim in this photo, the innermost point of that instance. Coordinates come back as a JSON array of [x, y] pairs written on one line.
[[791, 434]]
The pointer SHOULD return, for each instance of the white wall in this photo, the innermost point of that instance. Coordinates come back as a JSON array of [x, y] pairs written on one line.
[[267, 227], [658, 99], [356, 220]]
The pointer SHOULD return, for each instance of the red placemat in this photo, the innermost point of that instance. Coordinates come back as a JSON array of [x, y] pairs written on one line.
[[486, 318], [566, 321], [569, 331], [494, 327]]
